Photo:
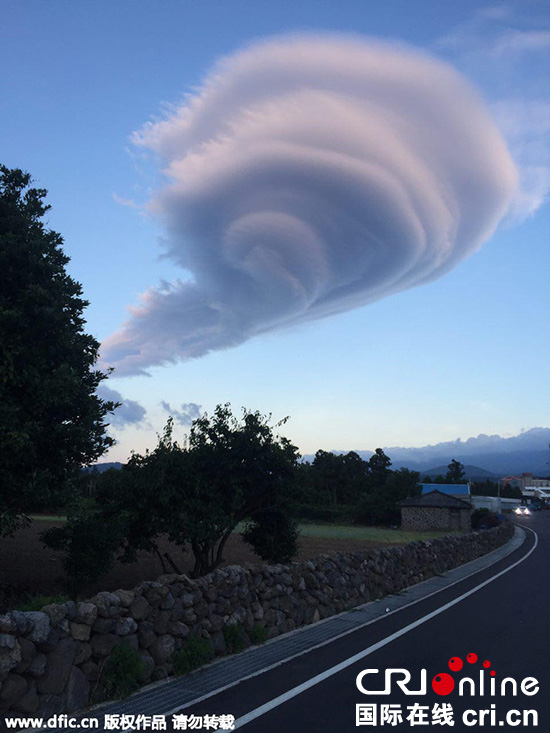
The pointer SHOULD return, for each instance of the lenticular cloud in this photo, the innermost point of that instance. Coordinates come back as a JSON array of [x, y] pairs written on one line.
[[310, 176]]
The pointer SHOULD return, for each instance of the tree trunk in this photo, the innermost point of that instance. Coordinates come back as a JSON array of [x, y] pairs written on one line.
[[172, 564]]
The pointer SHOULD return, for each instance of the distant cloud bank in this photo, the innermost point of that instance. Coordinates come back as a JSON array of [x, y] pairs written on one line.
[[534, 439], [309, 176], [528, 451]]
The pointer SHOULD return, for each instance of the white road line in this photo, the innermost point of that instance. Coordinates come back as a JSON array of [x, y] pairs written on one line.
[[332, 639], [281, 699]]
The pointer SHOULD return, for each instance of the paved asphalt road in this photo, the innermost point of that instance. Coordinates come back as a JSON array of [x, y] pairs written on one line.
[[506, 622]]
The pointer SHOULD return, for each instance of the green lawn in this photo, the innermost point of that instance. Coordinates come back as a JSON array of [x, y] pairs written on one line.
[[374, 534]]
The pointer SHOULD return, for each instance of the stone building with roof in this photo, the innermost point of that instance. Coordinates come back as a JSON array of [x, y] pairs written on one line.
[[436, 511]]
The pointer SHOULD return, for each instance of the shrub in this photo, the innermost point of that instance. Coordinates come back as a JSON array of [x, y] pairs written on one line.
[[123, 672], [258, 634], [235, 638], [482, 518], [89, 544], [324, 512], [273, 535], [193, 654]]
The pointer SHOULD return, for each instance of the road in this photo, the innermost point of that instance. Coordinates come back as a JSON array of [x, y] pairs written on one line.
[[506, 622]]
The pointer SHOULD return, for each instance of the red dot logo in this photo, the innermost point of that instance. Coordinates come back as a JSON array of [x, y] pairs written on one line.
[[443, 684], [486, 664], [472, 658], [493, 673], [456, 664]]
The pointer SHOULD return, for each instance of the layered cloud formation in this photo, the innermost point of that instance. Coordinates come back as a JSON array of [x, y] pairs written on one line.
[[309, 176]]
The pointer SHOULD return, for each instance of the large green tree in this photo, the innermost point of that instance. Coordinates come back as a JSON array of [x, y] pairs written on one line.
[[51, 419], [231, 470]]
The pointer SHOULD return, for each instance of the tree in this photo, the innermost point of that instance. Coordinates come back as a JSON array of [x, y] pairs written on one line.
[[379, 468], [229, 471], [381, 505], [338, 478], [241, 470], [455, 472], [51, 419], [326, 470]]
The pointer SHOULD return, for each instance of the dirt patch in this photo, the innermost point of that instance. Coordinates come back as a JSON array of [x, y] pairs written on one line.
[[28, 568]]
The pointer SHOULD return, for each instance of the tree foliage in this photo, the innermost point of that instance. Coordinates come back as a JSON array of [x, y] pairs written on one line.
[[240, 469], [380, 506], [344, 487], [455, 472], [89, 546], [379, 468], [51, 419], [230, 470], [273, 534]]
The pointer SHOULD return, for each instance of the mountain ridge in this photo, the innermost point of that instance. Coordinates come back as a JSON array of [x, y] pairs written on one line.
[[501, 456]]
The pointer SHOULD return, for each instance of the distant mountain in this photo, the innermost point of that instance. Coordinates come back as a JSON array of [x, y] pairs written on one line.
[[101, 467], [527, 452], [471, 473]]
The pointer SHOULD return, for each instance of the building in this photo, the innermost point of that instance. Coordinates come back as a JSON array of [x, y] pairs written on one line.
[[528, 481], [459, 491], [514, 482], [495, 504], [536, 494], [436, 510]]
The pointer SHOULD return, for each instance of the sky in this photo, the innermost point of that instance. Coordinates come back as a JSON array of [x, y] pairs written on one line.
[[336, 212]]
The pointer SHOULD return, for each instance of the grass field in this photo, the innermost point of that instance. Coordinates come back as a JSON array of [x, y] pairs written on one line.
[[383, 535], [372, 534]]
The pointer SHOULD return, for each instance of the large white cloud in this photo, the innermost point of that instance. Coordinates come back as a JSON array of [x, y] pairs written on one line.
[[311, 175]]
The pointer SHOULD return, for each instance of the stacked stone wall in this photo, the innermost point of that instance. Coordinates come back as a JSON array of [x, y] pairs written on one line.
[[51, 660], [436, 518]]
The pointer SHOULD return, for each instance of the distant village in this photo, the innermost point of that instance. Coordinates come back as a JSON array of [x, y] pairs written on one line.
[[449, 505]]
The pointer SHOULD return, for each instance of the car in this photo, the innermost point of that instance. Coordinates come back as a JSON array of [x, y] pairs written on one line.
[[522, 510]]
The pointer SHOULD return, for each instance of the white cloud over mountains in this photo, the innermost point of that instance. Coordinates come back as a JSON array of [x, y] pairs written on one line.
[[308, 176], [528, 451]]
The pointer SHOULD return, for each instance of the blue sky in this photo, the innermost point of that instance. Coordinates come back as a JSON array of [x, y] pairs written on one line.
[[462, 355]]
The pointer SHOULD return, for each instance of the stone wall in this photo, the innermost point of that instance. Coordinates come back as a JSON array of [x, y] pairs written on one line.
[[449, 519], [51, 660]]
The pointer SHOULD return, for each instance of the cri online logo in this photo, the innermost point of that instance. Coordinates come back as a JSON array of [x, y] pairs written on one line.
[[443, 683]]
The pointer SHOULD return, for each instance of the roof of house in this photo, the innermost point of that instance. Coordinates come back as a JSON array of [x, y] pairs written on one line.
[[435, 499], [454, 489]]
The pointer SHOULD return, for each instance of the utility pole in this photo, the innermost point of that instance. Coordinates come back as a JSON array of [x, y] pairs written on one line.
[[498, 494]]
